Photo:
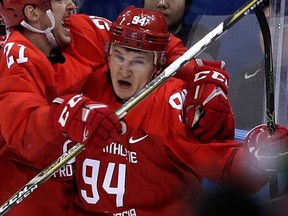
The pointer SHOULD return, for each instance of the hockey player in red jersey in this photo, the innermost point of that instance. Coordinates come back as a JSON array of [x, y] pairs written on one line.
[[51, 52], [34, 71], [158, 166]]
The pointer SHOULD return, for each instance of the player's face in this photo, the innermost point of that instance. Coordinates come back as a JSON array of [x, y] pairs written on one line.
[[130, 70], [173, 10], [61, 10]]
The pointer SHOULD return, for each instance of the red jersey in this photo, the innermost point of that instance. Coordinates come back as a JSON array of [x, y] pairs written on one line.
[[164, 164], [28, 84]]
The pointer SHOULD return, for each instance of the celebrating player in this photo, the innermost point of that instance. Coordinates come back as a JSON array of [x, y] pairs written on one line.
[[158, 166], [34, 71]]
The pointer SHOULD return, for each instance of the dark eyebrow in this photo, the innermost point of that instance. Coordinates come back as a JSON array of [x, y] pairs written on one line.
[[115, 50]]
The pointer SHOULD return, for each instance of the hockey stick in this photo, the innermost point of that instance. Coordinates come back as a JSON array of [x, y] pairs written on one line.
[[44, 175], [269, 80], [269, 77]]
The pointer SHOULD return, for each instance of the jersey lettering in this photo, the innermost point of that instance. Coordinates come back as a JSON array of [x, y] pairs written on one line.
[[92, 177], [119, 149], [64, 171], [130, 212]]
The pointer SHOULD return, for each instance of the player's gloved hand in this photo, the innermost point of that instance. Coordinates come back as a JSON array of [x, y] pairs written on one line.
[[85, 121], [207, 110], [267, 152]]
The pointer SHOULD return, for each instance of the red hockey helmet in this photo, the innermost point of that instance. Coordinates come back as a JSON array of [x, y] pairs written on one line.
[[12, 10], [141, 29]]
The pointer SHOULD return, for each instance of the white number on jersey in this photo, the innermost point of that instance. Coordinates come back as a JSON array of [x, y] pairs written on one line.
[[92, 180], [177, 100], [101, 22], [11, 59]]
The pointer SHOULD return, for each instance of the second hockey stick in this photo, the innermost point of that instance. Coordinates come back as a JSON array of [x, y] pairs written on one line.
[[269, 88]]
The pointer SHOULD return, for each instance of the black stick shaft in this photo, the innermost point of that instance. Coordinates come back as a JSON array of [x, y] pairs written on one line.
[[269, 89]]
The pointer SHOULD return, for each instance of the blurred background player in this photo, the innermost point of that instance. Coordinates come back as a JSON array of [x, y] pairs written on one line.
[[175, 13]]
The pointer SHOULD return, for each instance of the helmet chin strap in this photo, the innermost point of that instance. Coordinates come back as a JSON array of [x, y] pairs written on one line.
[[48, 32]]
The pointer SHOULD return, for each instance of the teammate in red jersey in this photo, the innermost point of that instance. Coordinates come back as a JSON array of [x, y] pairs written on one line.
[[158, 167], [33, 72], [51, 52]]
